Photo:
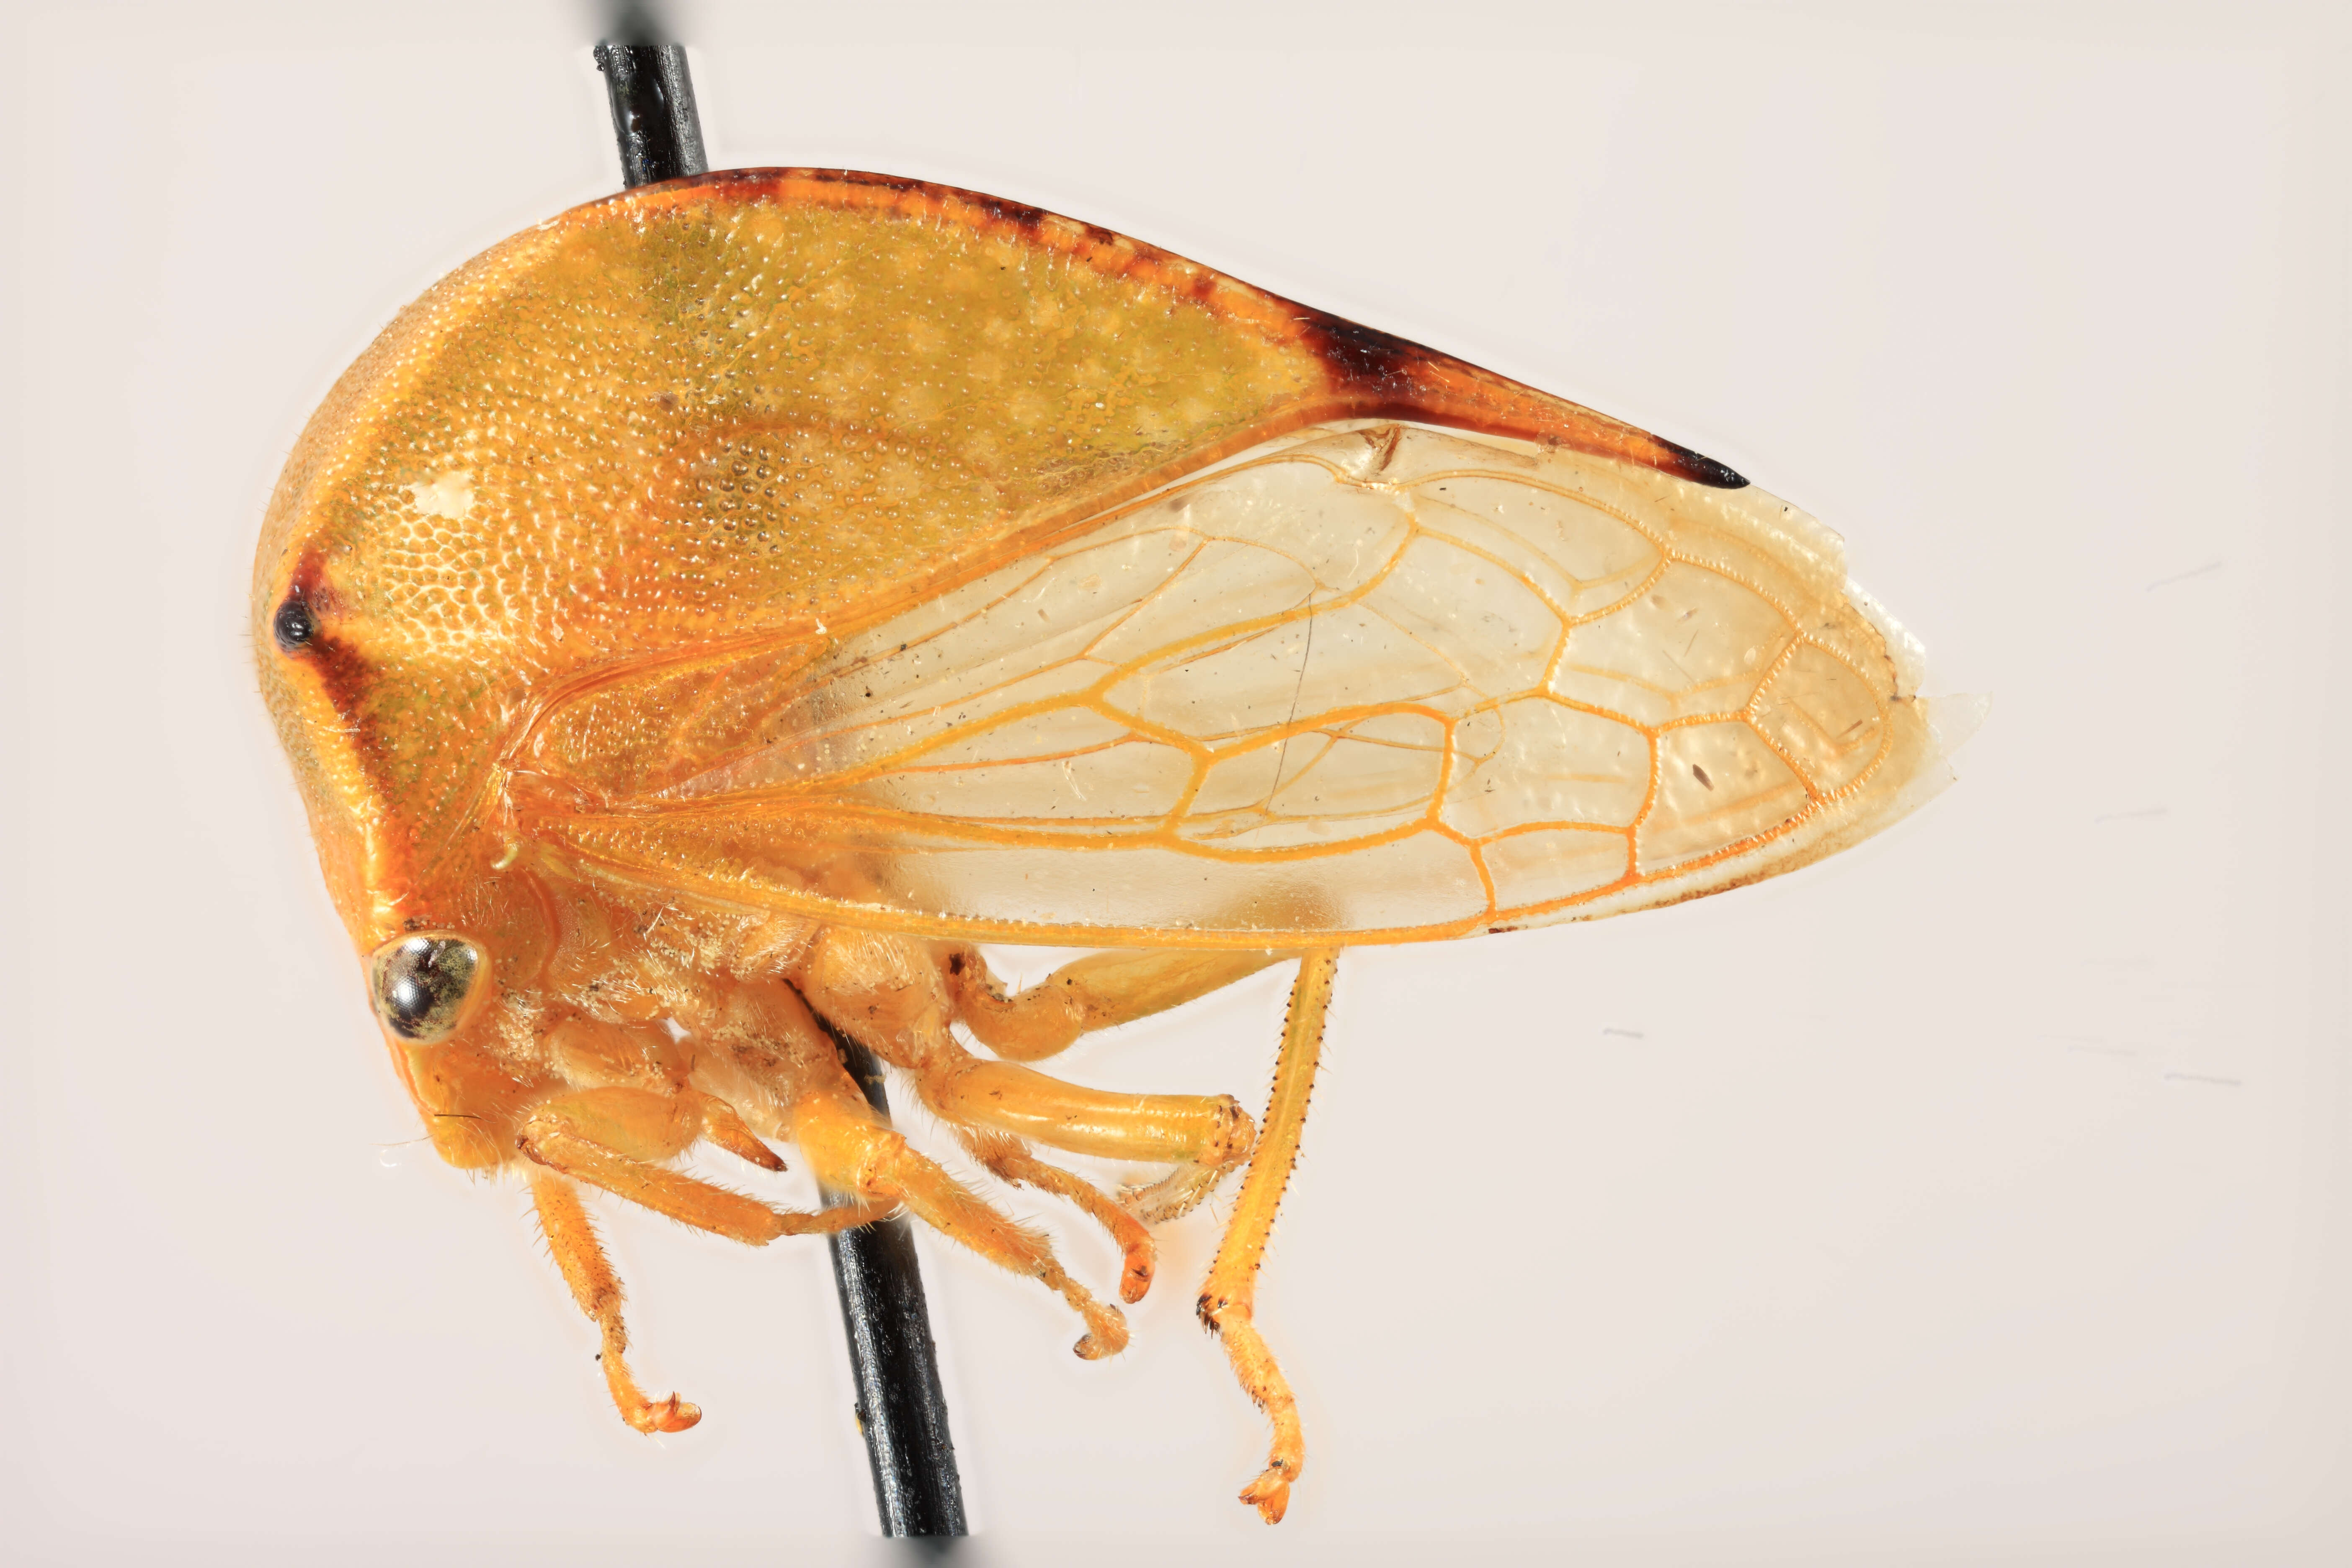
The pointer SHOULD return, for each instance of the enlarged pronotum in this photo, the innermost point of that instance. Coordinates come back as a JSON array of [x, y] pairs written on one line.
[[727, 602]]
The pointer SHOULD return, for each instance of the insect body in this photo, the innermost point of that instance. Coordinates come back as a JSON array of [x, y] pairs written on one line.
[[712, 611]]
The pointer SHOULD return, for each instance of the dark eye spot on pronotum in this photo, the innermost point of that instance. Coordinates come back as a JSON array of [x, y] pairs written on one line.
[[293, 625]]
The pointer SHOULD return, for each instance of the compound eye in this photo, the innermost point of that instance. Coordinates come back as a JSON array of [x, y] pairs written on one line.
[[421, 983]]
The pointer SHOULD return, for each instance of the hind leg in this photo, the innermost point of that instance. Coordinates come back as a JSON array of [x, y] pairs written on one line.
[[1229, 1295]]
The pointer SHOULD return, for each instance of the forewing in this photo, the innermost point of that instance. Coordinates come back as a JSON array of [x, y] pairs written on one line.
[[1374, 683]]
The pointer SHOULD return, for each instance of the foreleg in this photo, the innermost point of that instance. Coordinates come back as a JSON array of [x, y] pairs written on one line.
[[721, 1126], [609, 1138], [1229, 1296], [581, 1260], [594, 1054]]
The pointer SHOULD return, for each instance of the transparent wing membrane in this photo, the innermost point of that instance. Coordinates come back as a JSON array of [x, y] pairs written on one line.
[[1374, 681]]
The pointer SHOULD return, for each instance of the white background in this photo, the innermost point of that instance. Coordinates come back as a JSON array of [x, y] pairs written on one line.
[[1981, 1195]]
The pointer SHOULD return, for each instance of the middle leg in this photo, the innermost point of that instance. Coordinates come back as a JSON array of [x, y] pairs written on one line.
[[1010, 1160], [850, 1149], [1099, 991], [898, 999]]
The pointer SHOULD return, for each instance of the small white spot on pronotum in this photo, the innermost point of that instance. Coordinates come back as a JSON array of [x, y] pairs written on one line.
[[450, 495]]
